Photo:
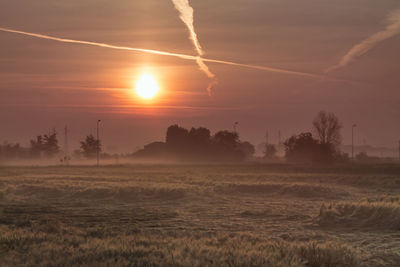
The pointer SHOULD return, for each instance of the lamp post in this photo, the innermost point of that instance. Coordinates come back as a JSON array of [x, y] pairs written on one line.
[[66, 154], [280, 138], [98, 144], [352, 141], [399, 150]]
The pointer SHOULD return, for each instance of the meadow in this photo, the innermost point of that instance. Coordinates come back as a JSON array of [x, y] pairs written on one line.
[[200, 215]]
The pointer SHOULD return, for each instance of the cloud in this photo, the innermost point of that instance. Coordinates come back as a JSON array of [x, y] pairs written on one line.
[[391, 30]]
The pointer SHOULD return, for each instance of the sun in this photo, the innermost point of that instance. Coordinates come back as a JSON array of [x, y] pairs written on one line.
[[146, 86]]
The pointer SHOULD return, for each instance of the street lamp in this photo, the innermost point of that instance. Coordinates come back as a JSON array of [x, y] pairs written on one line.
[[399, 150], [98, 144], [352, 141]]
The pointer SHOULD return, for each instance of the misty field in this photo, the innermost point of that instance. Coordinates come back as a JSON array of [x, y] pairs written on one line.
[[200, 215]]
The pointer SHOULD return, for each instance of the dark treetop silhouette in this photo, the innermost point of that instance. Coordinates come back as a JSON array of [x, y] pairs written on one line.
[[197, 144]]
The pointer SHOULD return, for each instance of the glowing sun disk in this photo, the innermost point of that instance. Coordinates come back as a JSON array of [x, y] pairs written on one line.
[[146, 86]]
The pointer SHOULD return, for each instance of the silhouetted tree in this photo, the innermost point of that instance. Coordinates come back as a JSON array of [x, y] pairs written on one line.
[[90, 146], [226, 146], [177, 139], [227, 139], [301, 148], [11, 151], [45, 145], [270, 151], [199, 136], [327, 129], [152, 150], [197, 144], [37, 146], [247, 149], [50, 144]]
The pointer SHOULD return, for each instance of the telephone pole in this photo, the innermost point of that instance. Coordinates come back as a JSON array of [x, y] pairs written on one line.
[[98, 144], [279, 138], [266, 142], [66, 153], [352, 141], [399, 150]]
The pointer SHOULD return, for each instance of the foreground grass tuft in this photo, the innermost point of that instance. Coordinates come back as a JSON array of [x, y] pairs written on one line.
[[73, 247]]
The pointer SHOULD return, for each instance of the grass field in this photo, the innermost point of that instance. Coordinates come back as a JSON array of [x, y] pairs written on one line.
[[200, 215]]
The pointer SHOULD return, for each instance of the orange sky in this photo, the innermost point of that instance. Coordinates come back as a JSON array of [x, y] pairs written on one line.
[[45, 84]]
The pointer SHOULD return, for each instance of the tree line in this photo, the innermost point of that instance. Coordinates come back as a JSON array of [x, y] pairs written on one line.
[[46, 146], [320, 145], [197, 144]]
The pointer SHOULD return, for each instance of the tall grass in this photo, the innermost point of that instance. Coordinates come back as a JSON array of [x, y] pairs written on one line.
[[71, 247], [173, 215], [380, 213]]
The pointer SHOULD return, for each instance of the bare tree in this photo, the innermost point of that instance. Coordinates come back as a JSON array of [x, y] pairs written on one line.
[[327, 129]]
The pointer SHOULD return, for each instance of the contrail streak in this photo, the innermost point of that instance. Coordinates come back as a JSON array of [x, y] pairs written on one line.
[[63, 40], [164, 53], [186, 15], [392, 29], [204, 67]]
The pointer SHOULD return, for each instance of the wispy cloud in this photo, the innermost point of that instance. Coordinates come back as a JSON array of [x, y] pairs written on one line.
[[391, 30]]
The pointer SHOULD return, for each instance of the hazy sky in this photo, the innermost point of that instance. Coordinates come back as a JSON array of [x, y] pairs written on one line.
[[46, 84]]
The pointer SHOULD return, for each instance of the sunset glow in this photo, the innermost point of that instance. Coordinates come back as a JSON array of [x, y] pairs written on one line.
[[146, 86], [191, 133]]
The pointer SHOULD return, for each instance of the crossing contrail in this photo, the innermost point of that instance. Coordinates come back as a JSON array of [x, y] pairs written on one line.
[[165, 53], [186, 15], [392, 29]]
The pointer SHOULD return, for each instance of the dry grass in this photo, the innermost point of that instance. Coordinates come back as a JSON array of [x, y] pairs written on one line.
[[182, 215], [380, 213], [52, 245], [303, 190]]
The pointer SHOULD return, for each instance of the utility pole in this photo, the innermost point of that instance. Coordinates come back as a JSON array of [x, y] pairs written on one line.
[[98, 144], [266, 143], [352, 141], [399, 150], [364, 145], [279, 138], [66, 156]]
